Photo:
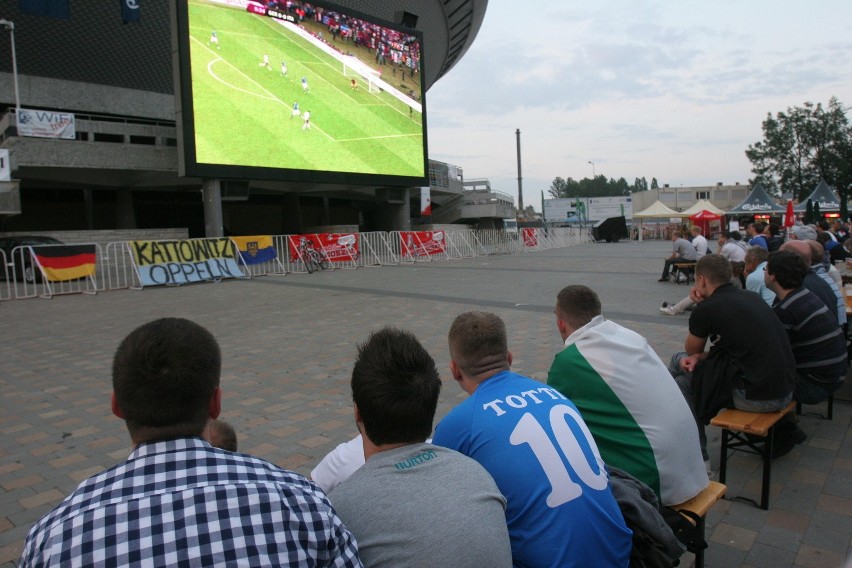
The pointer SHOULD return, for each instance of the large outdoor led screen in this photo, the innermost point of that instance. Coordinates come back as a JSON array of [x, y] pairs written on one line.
[[299, 91]]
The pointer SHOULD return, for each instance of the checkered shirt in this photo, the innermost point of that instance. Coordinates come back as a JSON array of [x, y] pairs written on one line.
[[184, 503]]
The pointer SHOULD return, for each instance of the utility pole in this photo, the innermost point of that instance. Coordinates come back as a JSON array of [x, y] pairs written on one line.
[[520, 184]]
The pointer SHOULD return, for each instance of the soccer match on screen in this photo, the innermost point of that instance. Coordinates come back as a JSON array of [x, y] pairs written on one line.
[[296, 86]]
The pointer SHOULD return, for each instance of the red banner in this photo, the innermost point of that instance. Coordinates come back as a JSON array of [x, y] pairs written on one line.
[[338, 247], [529, 236], [422, 243]]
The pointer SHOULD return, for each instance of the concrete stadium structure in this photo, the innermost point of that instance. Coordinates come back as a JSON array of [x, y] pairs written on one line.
[[121, 171]]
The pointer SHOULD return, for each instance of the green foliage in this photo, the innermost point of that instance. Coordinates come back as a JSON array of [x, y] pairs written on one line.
[[654, 184], [802, 146], [598, 187]]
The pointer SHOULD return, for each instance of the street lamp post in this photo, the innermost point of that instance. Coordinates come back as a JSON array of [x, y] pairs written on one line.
[[11, 27], [593, 170]]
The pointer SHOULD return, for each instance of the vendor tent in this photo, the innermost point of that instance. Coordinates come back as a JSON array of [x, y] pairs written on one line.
[[756, 202], [824, 196], [703, 218], [703, 205], [657, 209]]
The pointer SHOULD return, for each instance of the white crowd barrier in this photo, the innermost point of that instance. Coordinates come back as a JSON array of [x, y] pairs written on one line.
[[23, 277]]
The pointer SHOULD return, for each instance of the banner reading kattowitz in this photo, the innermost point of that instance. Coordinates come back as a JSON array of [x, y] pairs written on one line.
[[182, 262]]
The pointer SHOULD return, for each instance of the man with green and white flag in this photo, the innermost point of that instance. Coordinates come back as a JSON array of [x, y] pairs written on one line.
[[627, 397]]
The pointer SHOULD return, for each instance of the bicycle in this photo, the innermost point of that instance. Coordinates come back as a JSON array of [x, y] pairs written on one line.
[[312, 258]]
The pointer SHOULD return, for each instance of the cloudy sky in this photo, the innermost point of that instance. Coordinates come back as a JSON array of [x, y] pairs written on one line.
[[672, 90]]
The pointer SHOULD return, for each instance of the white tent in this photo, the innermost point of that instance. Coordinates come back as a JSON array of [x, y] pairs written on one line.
[[701, 205], [657, 209]]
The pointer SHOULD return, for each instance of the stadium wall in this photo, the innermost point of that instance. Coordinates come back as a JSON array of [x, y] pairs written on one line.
[[57, 94]]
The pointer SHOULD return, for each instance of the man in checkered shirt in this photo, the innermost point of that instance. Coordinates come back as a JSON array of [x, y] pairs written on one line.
[[177, 500]]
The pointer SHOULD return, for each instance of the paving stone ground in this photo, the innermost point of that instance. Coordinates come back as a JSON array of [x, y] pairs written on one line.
[[288, 344]]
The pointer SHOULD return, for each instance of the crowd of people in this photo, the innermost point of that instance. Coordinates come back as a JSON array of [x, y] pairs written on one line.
[[530, 465], [789, 290]]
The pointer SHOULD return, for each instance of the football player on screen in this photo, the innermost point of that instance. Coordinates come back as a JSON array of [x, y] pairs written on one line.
[[305, 85], [296, 112], [214, 40], [265, 62]]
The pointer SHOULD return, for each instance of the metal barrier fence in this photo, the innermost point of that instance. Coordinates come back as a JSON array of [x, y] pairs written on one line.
[[23, 278]]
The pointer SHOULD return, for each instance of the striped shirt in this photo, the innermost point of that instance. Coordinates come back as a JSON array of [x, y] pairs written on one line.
[[184, 503], [817, 341]]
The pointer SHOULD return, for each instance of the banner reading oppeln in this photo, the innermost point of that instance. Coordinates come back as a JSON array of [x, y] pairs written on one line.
[[183, 262], [66, 262], [422, 243]]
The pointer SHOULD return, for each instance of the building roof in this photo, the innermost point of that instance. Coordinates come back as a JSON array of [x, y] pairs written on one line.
[[702, 205], [657, 209]]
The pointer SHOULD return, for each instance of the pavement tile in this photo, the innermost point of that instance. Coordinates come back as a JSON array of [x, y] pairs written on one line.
[[813, 557], [287, 387]]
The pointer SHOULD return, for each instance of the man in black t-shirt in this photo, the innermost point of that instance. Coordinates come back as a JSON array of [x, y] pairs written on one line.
[[750, 365]]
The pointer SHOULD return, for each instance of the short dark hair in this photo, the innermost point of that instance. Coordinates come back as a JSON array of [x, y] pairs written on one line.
[[774, 229], [715, 268], [395, 385], [478, 343], [736, 235], [164, 374], [823, 225], [726, 234], [222, 435], [787, 268], [577, 305]]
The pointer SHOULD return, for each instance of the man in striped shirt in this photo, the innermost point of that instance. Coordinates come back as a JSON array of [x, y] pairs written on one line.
[[819, 346]]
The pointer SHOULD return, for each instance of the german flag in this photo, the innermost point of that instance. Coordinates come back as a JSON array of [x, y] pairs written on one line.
[[66, 262]]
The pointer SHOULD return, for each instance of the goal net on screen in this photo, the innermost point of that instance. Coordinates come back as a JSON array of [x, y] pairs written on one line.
[[364, 75]]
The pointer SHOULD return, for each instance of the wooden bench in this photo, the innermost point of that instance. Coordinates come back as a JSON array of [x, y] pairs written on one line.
[[737, 426], [685, 268], [699, 505]]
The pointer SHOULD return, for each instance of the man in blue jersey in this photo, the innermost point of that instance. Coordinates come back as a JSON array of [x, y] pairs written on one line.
[[535, 445]]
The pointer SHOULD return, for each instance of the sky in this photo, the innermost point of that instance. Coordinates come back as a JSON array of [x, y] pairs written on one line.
[[641, 88]]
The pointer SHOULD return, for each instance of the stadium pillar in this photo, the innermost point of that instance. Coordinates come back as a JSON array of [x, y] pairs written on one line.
[[125, 214], [211, 192]]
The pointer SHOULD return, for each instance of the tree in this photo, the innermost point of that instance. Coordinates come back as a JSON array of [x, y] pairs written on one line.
[[802, 146], [654, 184], [639, 185]]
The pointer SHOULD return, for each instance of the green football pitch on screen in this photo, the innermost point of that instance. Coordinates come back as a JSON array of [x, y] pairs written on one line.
[[243, 109]]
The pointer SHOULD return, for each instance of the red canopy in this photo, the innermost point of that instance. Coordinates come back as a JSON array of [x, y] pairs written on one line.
[[705, 215], [703, 218]]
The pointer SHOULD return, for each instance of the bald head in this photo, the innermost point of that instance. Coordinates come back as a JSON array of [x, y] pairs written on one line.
[[817, 251], [801, 248]]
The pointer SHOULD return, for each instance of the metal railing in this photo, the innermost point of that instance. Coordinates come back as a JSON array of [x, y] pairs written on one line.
[[116, 269]]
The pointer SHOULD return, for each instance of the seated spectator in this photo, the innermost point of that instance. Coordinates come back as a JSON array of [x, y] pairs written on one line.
[[220, 434], [682, 251], [177, 500], [820, 284], [755, 235], [755, 264], [804, 233], [819, 345], [822, 227], [750, 367], [729, 248], [636, 413], [822, 265], [339, 464], [774, 240], [840, 230], [698, 241], [395, 388], [533, 441]]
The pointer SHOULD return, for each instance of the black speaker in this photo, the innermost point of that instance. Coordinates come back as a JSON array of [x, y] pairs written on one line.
[[406, 19]]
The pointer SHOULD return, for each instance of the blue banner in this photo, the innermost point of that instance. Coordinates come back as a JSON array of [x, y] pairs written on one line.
[[50, 8]]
